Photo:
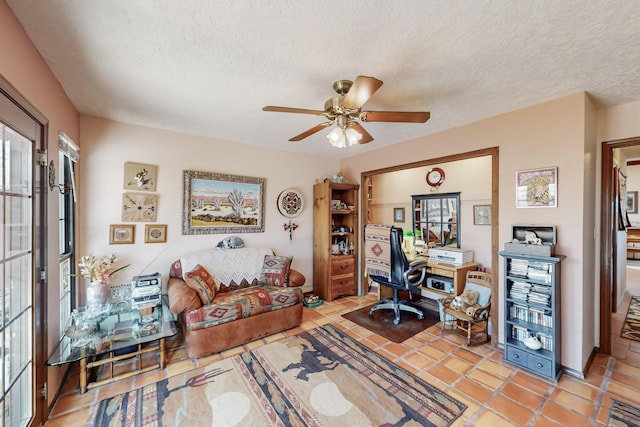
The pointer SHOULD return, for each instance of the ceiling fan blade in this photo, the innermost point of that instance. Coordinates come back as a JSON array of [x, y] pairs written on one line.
[[362, 89], [395, 116], [292, 110], [311, 131], [366, 137]]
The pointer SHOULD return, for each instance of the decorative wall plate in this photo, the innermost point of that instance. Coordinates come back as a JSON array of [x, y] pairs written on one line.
[[290, 203]]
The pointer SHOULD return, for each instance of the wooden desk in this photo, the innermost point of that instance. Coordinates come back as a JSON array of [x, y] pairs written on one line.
[[456, 272]]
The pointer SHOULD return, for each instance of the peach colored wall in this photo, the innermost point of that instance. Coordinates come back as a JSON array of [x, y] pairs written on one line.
[[107, 145], [621, 121], [26, 70], [618, 122], [548, 134], [470, 177], [590, 319]]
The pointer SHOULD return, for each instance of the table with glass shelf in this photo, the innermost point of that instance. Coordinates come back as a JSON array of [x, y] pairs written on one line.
[[121, 332]]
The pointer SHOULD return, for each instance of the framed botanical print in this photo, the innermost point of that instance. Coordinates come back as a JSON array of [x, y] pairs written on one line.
[[139, 207], [122, 234], [155, 233], [398, 214], [482, 214], [220, 203], [632, 202], [537, 188], [140, 177]]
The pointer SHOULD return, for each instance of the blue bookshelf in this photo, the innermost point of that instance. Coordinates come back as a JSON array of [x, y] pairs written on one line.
[[532, 309]]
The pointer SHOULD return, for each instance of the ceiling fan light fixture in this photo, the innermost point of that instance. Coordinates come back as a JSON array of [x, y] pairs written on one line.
[[353, 136], [337, 138]]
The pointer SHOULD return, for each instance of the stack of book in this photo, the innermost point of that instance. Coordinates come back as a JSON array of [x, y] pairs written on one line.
[[539, 271], [519, 267], [520, 290], [540, 294]]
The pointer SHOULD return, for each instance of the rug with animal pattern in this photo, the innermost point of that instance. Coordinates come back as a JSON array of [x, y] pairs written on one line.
[[320, 377]]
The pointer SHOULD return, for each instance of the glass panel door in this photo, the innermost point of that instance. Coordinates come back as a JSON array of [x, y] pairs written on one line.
[[16, 266]]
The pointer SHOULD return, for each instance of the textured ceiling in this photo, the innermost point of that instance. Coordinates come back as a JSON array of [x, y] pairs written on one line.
[[208, 67]]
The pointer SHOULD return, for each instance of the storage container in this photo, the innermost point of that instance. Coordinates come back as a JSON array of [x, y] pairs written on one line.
[[546, 233]]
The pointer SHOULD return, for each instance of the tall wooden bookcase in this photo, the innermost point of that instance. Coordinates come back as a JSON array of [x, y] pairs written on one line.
[[532, 308], [335, 239]]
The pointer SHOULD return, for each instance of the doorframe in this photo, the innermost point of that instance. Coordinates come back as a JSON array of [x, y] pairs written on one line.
[[608, 239], [494, 153], [40, 193]]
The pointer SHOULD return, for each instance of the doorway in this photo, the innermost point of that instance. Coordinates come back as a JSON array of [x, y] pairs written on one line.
[[22, 261], [494, 154], [609, 240]]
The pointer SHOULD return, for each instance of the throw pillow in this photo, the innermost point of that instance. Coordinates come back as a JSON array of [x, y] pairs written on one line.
[[296, 279], [275, 270], [201, 281]]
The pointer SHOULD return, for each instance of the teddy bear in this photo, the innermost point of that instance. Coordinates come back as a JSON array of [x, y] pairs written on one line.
[[466, 302]]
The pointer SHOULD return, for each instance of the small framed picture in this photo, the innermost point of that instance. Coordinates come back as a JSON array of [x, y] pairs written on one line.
[[122, 234], [482, 214], [632, 202], [139, 176], [155, 233], [398, 214]]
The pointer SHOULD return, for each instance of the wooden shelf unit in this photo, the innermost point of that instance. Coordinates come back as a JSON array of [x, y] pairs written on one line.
[[335, 275], [633, 242]]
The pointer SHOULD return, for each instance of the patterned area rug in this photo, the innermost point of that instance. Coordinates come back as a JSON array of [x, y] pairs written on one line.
[[623, 415], [631, 326], [320, 377]]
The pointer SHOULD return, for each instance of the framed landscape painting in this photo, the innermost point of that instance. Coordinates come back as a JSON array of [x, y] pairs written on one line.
[[220, 203]]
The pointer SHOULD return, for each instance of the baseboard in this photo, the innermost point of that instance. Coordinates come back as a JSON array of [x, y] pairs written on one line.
[[569, 371]]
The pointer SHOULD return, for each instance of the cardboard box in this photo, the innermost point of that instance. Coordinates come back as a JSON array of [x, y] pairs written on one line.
[[546, 233]]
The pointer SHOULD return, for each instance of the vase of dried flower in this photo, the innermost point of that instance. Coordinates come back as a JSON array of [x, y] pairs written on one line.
[[97, 293]]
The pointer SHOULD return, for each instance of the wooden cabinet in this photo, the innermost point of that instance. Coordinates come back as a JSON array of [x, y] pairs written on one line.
[[335, 239], [457, 273], [633, 243], [532, 309]]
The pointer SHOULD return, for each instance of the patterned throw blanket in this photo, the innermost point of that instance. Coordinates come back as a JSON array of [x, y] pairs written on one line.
[[378, 250]]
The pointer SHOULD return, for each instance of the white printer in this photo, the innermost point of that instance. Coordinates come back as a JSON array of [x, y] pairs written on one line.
[[146, 291], [451, 255]]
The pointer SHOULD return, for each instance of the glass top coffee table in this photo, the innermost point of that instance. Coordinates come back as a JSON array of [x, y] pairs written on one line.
[[116, 332]]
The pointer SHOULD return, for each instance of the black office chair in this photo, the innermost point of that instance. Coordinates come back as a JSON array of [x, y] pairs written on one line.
[[387, 265]]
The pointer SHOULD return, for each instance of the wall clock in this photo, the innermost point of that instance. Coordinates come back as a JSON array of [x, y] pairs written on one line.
[[435, 177], [139, 207]]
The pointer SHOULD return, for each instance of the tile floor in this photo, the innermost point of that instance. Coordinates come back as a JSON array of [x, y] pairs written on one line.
[[496, 393]]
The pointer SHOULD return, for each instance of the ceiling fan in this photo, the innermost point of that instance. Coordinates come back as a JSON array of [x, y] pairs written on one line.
[[345, 110]]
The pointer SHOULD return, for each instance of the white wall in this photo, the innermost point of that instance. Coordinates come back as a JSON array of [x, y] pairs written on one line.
[[107, 145]]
